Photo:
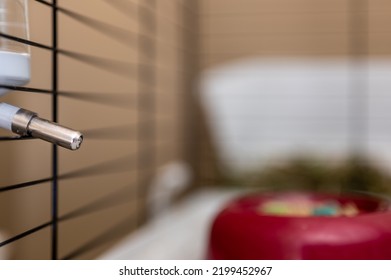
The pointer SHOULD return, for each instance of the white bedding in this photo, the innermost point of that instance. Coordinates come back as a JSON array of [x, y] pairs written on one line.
[[180, 233]]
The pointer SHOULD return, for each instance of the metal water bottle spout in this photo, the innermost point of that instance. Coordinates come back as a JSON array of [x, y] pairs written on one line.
[[27, 123]]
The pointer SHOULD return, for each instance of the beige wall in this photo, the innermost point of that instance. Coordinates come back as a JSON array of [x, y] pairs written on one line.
[[108, 112], [232, 29]]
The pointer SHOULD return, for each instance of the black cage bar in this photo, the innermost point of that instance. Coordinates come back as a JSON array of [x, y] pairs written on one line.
[[141, 163]]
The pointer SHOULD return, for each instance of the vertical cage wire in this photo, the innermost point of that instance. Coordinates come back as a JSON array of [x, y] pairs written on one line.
[[139, 167]]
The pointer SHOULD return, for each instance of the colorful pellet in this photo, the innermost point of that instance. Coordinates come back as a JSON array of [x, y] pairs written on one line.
[[306, 208]]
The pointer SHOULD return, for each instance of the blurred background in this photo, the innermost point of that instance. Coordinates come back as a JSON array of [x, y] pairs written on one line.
[[185, 104]]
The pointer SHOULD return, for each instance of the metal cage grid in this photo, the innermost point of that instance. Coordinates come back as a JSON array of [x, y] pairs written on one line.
[[144, 132]]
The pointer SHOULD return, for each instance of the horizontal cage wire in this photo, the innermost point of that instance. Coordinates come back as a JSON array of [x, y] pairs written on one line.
[[141, 100]]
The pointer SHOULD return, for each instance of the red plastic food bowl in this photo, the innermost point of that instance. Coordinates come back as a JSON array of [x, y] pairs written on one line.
[[240, 232]]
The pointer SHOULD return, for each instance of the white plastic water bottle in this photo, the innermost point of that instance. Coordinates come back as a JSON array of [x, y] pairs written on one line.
[[14, 56]]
